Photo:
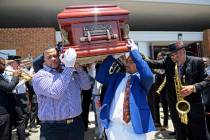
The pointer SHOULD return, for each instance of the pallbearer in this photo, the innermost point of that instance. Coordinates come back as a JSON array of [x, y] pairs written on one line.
[[58, 94], [125, 113]]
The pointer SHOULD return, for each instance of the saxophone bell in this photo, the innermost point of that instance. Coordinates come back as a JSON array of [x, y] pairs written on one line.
[[183, 107]]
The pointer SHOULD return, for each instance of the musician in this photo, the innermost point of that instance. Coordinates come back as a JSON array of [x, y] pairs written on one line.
[[21, 112], [160, 98], [6, 101], [125, 111], [193, 77], [58, 95]]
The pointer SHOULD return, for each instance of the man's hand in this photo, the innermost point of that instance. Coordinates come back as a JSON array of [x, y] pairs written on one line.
[[17, 73], [187, 90], [69, 57], [132, 45], [98, 103]]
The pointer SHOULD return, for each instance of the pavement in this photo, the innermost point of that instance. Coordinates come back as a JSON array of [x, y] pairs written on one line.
[[90, 134]]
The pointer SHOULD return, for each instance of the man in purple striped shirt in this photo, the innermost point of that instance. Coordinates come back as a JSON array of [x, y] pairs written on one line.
[[58, 95]]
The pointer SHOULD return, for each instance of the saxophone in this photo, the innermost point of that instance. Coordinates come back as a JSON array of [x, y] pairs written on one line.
[[182, 106], [162, 85]]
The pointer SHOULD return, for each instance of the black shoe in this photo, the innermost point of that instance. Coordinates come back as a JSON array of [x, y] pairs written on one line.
[[33, 130], [27, 134], [165, 127], [157, 125], [172, 133]]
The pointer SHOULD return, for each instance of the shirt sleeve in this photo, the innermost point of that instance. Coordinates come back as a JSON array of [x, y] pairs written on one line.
[[8, 86], [44, 83]]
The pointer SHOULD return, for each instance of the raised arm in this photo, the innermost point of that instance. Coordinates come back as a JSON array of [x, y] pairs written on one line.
[[44, 83], [103, 75], [145, 72]]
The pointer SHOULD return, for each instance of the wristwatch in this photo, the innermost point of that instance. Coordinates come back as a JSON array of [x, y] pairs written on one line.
[[194, 89]]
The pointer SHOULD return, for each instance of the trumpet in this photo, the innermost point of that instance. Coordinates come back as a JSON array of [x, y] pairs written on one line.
[[24, 75]]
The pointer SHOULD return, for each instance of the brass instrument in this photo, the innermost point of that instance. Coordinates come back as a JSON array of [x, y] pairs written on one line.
[[182, 106], [24, 75], [24, 62], [162, 85]]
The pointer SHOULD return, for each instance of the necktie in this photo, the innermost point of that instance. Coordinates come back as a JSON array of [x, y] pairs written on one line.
[[180, 71], [126, 109], [181, 74]]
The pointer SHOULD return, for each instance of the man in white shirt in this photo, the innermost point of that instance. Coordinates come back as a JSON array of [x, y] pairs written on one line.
[[125, 111]]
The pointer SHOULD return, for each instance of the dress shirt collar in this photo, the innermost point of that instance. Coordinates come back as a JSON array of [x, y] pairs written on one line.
[[49, 69], [129, 75]]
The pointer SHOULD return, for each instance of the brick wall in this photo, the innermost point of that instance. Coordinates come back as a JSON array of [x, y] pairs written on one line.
[[27, 40], [206, 43]]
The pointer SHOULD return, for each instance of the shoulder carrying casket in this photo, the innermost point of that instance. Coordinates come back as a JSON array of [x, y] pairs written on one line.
[[94, 31]]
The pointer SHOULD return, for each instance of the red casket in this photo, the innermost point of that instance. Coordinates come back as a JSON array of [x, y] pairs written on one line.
[[94, 30]]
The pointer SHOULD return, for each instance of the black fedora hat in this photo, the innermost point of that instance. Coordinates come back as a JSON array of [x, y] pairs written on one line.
[[13, 57], [174, 47]]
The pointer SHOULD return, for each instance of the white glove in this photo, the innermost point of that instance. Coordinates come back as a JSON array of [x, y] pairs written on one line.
[[116, 56], [132, 45], [69, 57], [127, 54]]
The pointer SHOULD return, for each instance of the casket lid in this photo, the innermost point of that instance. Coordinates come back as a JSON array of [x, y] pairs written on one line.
[[91, 10]]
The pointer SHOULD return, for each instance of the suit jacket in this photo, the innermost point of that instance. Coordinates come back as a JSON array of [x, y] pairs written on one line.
[[141, 118], [194, 71], [6, 98]]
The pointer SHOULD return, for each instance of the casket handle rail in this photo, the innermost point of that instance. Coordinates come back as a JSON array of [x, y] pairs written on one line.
[[90, 38]]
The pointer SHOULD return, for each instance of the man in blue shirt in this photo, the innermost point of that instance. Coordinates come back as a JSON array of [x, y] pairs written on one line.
[[58, 96]]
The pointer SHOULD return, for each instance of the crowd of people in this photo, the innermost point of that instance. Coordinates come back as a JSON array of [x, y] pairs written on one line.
[[125, 91], [18, 104]]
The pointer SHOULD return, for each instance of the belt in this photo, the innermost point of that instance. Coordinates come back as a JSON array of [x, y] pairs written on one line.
[[66, 121]]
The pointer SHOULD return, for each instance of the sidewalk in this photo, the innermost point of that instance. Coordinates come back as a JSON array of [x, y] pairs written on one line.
[[90, 134]]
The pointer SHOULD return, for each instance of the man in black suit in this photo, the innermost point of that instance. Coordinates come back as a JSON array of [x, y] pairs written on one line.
[[194, 81], [160, 97], [6, 101], [206, 93]]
